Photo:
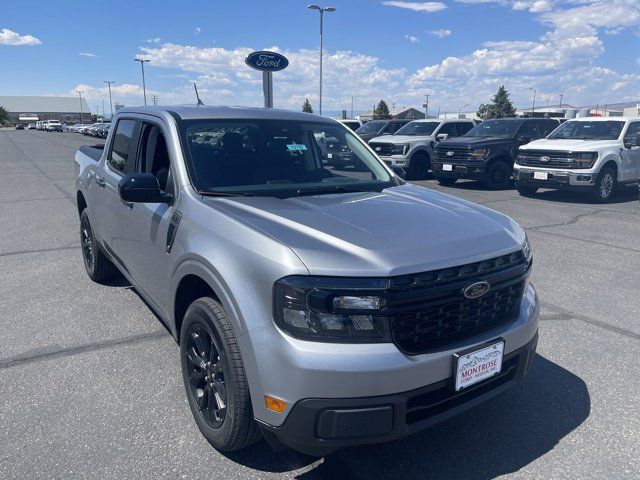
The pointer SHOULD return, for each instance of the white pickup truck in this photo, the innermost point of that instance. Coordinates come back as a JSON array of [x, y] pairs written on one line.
[[594, 154]]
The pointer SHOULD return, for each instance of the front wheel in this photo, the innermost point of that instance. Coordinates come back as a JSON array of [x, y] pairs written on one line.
[[446, 181], [419, 166], [605, 185], [498, 175], [214, 377], [526, 190]]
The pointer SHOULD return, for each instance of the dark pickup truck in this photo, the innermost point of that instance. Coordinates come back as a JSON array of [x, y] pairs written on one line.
[[488, 151]]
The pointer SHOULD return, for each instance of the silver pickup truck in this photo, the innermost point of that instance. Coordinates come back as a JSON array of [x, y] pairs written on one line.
[[319, 308]]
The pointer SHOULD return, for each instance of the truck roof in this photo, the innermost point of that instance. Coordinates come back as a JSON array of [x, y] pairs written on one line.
[[204, 112], [602, 119]]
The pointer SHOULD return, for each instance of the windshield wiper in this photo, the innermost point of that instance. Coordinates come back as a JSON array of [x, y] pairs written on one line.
[[225, 194], [331, 189]]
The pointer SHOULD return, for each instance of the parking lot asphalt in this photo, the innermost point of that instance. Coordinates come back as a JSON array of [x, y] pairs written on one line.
[[90, 385]]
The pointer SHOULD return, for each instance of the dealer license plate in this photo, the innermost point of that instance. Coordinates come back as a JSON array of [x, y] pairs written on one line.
[[540, 175], [475, 366], [447, 168]]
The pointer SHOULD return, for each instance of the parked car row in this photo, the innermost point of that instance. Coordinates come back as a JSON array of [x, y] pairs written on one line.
[[587, 154], [99, 130]]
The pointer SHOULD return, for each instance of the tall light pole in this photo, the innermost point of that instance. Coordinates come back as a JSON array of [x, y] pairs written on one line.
[[460, 111], [109, 82], [81, 112], [533, 104], [144, 87], [321, 10], [352, 97]]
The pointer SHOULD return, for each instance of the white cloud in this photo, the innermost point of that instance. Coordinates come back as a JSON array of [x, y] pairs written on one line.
[[87, 54], [9, 37], [198, 31], [412, 38], [428, 7], [443, 32], [153, 40]]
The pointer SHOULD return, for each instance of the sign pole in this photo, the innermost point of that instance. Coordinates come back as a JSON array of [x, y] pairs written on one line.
[[267, 88]]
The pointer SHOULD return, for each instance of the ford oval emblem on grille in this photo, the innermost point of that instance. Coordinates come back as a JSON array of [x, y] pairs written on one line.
[[450, 154], [544, 158], [476, 290], [378, 149]]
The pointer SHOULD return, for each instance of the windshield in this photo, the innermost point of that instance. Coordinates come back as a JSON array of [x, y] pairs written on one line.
[[595, 130], [418, 128], [279, 158], [494, 128], [372, 127]]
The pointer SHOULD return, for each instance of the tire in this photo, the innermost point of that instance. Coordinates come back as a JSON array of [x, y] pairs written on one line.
[[446, 181], [419, 166], [526, 190], [606, 184], [498, 175], [98, 266], [214, 377]]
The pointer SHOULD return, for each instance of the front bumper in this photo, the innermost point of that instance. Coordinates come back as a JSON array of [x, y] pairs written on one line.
[[470, 170], [319, 426], [560, 179], [396, 161], [299, 371]]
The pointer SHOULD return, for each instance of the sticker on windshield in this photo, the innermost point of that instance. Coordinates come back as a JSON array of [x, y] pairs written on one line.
[[296, 147]]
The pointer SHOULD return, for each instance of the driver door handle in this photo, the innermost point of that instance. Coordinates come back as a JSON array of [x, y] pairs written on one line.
[[100, 181]]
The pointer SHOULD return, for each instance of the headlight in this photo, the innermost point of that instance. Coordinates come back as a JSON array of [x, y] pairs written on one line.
[[480, 153], [400, 149], [585, 159], [326, 309], [526, 250]]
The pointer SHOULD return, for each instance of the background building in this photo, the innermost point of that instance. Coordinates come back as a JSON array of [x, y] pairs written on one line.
[[31, 109], [399, 113]]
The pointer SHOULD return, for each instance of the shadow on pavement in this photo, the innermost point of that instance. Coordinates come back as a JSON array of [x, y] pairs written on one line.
[[496, 438]]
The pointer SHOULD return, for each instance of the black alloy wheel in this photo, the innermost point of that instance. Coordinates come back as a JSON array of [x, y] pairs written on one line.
[[206, 372]]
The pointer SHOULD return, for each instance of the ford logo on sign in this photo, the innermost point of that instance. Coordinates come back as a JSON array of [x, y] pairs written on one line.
[[267, 61]]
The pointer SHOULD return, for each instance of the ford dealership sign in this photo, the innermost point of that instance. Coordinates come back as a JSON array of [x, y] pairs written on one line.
[[267, 61]]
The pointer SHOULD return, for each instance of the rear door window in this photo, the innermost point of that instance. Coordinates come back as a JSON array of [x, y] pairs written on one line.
[[449, 129], [529, 129], [122, 154], [464, 127]]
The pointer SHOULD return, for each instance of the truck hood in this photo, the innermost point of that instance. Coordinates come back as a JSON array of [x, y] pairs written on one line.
[[474, 141], [570, 145], [401, 230], [401, 139]]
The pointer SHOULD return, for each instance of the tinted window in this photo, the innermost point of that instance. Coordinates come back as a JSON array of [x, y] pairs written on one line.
[[549, 126], [529, 129], [120, 149], [589, 130], [372, 127], [418, 128], [495, 128], [154, 156], [464, 127], [279, 158], [633, 130], [449, 129]]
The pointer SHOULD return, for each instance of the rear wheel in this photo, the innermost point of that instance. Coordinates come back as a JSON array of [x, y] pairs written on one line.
[[605, 185], [419, 166], [214, 377], [97, 265], [498, 175], [526, 190]]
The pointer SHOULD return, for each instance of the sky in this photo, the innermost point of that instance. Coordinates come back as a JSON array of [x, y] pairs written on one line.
[[457, 51]]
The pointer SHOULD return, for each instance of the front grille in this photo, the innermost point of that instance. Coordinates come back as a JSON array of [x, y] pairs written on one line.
[[459, 154], [553, 159], [383, 149], [428, 311]]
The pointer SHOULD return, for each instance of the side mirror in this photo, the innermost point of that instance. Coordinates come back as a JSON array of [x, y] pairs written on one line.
[[524, 140], [142, 188], [631, 142], [399, 171], [442, 136]]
